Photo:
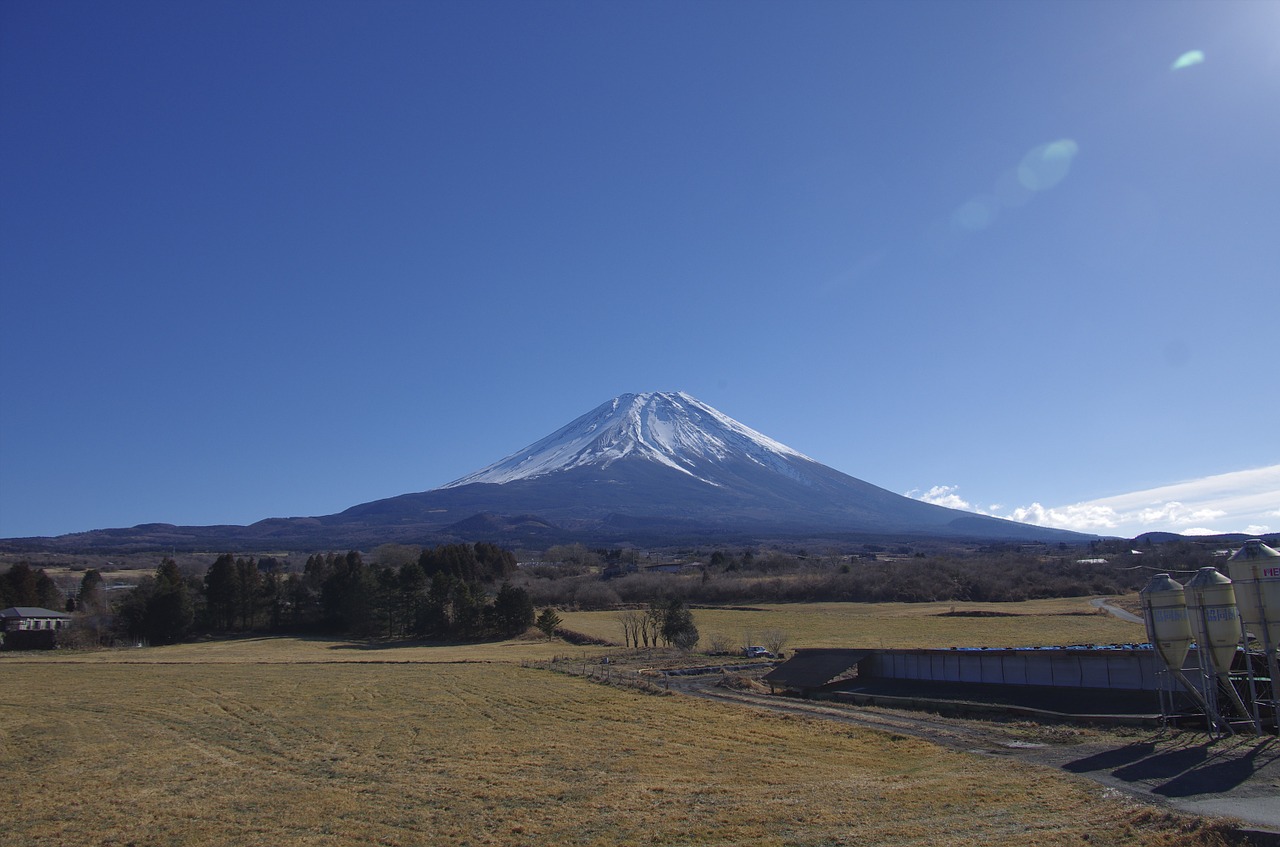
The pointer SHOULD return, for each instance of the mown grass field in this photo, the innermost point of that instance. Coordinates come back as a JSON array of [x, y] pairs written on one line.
[[313, 650], [1033, 623], [310, 742], [469, 754]]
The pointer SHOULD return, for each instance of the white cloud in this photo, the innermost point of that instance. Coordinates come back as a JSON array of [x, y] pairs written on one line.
[[942, 495], [1082, 517], [1240, 501]]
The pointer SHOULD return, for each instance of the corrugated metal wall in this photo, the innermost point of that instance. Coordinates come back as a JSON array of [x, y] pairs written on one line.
[[1123, 669]]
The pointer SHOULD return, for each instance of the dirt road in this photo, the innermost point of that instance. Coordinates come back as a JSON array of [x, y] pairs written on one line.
[[1114, 611]]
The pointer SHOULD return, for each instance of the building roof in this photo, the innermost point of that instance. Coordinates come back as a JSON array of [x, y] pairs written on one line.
[[31, 612], [814, 667]]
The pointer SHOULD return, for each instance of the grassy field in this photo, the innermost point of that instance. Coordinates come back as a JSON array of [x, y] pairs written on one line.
[[1033, 623], [1036, 622], [312, 650], [469, 754], [290, 741]]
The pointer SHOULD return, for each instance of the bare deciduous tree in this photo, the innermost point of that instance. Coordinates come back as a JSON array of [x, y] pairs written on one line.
[[632, 622], [774, 640], [718, 643], [653, 621]]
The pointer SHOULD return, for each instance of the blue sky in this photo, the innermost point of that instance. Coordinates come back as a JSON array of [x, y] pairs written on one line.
[[279, 258]]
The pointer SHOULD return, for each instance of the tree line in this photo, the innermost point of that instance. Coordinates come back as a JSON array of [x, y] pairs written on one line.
[[773, 576], [668, 623], [454, 591], [470, 591], [23, 585]]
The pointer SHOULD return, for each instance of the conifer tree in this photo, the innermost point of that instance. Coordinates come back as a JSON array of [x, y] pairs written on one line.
[[512, 610], [169, 611], [220, 592], [548, 622]]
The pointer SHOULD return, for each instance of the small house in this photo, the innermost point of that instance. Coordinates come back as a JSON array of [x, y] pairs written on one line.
[[31, 627]]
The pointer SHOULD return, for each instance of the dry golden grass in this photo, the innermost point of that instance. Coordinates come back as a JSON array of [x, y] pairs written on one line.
[[298, 741], [1033, 623], [304, 650], [899, 625], [465, 754]]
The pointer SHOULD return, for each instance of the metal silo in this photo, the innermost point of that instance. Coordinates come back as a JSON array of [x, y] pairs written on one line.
[[1164, 609], [1255, 571], [1164, 606], [1215, 621]]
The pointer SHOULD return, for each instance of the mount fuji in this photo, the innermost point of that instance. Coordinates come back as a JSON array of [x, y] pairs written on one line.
[[667, 463], [652, 466], [675, 431]]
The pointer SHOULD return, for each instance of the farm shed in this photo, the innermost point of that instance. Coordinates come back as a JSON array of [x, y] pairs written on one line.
[[1069, 667], [1094, 680], [31, 627], [810, 670]]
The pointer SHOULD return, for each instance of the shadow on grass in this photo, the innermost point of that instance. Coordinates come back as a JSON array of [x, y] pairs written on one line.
[[336, 641], [1112, 759], [400, 645]]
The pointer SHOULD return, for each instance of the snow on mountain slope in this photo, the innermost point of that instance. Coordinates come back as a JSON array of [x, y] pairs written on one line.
[[671, 429]]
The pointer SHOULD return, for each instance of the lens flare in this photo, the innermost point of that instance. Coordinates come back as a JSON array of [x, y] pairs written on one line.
[[1047, 165], [977, 214], [1187, 59]]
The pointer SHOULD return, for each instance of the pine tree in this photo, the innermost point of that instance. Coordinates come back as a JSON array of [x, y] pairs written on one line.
[[412, 585], [512, 610], [677, 625], [548, 622], [169, 611], [220, 592], [91, 598], [18, 586], [248, 585]]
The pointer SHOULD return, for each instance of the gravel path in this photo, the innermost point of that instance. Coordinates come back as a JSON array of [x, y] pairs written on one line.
[[1115, 611]]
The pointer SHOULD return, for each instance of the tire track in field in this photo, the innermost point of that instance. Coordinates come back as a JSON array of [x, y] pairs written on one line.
[[950, 733]]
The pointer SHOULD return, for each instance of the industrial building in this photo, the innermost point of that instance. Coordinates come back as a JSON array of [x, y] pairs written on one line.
[[1208, 661], [1119, 683]]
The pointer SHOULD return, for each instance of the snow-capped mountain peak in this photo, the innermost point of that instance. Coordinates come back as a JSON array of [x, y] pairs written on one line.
[[669, 428]]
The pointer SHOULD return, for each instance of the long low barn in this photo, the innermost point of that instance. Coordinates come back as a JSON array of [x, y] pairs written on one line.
[[1108, 680], [1086, 667]]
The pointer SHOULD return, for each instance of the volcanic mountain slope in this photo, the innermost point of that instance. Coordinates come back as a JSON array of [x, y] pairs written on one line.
[[667, 458], [657, 465]]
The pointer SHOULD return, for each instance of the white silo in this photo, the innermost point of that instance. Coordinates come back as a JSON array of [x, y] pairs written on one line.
[[1164, 606], [1164, 609], [1255, 571], [1215, 621]]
